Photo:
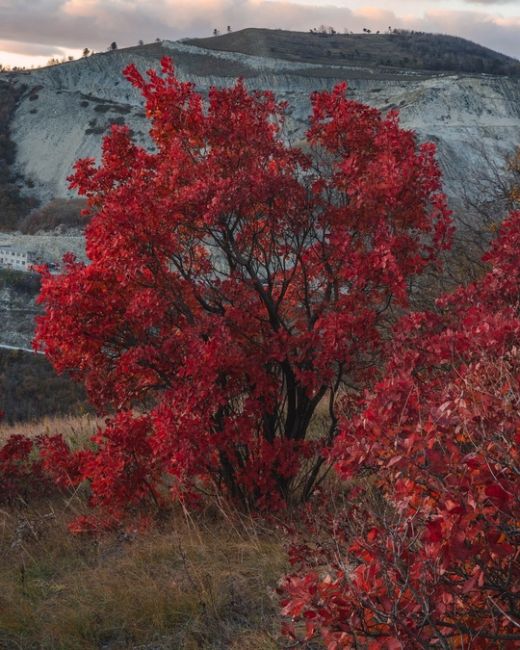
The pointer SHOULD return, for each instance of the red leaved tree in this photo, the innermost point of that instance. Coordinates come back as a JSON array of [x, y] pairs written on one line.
[[234, 283], [427, 554]]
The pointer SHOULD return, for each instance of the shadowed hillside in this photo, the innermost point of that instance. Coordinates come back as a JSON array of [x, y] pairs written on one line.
[[13, 204], [31, 389], [401, 49]]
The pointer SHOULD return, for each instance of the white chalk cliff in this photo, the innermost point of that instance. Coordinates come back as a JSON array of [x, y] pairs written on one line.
[[68, 107]]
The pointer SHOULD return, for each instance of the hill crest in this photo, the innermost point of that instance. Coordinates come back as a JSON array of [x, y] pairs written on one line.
[[394, 49]]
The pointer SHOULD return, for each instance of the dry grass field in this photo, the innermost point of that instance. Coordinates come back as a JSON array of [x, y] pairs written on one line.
[[203, 580]]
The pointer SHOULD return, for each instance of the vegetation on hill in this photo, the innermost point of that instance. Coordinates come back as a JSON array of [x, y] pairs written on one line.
[[397, 49], [13, 204], [60, 213], [20, 281], [194, 63], [31, 389]]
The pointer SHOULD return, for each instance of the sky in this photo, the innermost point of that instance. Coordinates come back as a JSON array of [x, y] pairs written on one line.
[[33, 31]]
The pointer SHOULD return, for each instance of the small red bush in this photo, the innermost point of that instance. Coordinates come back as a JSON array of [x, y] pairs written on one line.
[[20, 473], [34, 467]]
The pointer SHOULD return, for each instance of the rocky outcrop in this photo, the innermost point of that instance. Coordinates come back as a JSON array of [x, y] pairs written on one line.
[[67, 108]]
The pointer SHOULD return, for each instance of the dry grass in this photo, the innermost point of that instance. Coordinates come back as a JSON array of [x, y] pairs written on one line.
[[75, 429], [193, 581]]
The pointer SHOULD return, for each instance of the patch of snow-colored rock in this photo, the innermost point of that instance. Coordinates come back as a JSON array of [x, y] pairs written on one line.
[[76, 103], [48, 247]]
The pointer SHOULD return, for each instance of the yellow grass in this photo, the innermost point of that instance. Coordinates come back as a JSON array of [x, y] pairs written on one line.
[[193, 581], [76, 429]]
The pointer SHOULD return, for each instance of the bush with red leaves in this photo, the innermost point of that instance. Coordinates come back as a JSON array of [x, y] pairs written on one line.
[[20, 473], [34, 467], [233, 282], [428, 552]]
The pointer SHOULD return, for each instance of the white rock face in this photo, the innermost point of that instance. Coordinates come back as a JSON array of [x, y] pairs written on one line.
[[67, 109], [49, 247], [77, 101], [17, 314]]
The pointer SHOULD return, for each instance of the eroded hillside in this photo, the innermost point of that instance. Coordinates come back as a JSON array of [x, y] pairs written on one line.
[[62, 112], [66, 109]]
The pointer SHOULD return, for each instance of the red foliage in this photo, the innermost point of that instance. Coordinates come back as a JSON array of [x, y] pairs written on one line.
[[428, 554], [233, 282], [59, 463], [122, 469], [32, 468], [19, 472]]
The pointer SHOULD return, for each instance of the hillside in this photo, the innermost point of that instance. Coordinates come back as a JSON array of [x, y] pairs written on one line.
[[55, 115], [398, 49], [58, 114], [62, 112], [13, 204]]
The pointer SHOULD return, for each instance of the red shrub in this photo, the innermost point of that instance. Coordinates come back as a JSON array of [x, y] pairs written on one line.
[[59, 463], [233, 282], [32, 468], [122, 469], [20, 474], [428, 554]]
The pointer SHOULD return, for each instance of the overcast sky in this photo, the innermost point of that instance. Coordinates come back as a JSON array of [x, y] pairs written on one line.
[[32, 31]]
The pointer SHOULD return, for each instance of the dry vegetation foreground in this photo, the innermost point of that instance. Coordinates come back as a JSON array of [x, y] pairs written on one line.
[[203, 581]]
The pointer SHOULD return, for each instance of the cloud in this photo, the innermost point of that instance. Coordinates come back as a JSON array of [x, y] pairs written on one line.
[[96, 23], [30, 49]]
